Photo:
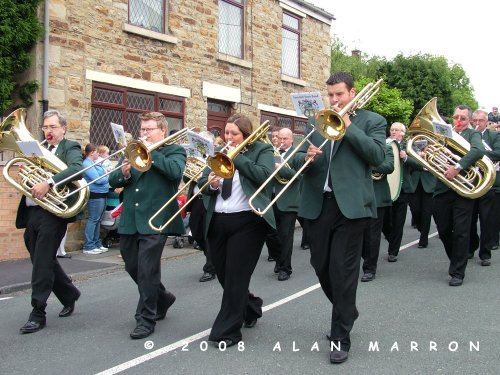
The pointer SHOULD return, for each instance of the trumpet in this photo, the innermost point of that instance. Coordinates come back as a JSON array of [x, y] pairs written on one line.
[[331, 126]]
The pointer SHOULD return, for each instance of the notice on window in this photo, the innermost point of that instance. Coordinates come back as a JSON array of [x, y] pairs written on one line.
[[307, 103], [119, 134]]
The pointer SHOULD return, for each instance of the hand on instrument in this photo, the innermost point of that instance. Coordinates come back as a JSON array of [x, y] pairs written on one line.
[[312, 151], [214, 180], [39, 190], [126, 168], [403, 155], [451, 172]]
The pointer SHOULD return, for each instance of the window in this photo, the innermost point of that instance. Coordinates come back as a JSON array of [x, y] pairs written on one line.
[[231, 27], [149, 14], [296, 124], [290, 54], [122, 106]]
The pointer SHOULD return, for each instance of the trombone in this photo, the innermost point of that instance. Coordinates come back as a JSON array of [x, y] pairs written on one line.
[[331, 126], [221, 164], [136, 152]]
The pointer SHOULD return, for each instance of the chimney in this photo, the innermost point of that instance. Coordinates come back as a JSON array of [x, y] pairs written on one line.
[[356, 53]]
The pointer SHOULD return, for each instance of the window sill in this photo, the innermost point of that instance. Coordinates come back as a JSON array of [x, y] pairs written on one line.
[[128, 28], [234, 60], [293, 80]]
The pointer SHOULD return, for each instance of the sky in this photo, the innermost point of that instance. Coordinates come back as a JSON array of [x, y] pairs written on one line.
[[465, 33]]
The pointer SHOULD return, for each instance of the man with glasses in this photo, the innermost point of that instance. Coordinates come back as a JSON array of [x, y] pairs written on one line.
[[485, 207], [44, 230], [452, 212], [144, 194]]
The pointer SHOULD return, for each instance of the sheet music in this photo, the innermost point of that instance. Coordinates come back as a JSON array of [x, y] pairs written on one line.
[[30, 148]]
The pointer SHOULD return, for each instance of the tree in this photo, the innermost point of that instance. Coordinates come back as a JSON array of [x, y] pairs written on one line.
[[19, 31]]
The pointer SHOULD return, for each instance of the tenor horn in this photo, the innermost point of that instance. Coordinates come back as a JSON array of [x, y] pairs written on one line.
[[442, 152]]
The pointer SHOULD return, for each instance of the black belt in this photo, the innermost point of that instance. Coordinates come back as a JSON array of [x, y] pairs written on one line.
[[328, 195]]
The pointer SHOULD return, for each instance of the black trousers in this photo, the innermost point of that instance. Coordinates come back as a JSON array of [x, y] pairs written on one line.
[[42, 237], [285, 226], [304, 241], [336, 244], [273, 244], [452, 214], [397, 223], [235, 241], [142, 256], [421, 203], [484, 210], [371, 241], [197, 226]]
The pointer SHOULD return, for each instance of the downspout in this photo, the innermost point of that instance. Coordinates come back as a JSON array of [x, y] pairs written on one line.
[[45, 65]]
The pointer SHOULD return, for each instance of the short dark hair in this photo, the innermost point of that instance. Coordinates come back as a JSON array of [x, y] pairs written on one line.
[[89, 149], [341, 77], [462, 107]]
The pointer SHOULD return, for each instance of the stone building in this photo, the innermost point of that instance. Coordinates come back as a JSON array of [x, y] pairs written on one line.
[[197, 62]]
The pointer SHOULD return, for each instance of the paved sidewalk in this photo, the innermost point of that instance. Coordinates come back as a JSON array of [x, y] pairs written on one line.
[[16, 275]]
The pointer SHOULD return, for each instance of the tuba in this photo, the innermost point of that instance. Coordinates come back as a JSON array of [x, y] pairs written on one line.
[[35, 169], [441, 152]]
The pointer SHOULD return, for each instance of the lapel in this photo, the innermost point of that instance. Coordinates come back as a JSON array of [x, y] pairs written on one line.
[[61, 148], [336, 146]]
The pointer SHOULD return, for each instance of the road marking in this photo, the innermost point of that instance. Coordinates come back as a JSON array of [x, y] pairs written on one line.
[[5, 298], [176, 345]]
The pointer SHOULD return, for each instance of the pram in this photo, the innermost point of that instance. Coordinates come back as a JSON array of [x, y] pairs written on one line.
[[109, 222]]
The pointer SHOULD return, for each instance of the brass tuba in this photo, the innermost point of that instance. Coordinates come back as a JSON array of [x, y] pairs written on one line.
[[38, 169], [442, 152]]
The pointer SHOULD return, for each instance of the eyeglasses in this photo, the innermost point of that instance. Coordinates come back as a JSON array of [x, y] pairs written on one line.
[[479, 120], [147, 130], [461, 118], [51, 127]]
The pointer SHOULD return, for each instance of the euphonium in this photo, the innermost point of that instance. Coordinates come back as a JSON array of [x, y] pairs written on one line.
[[442, 152], [38, 169]]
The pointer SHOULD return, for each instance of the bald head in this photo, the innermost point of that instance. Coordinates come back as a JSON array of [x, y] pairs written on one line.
[[285, 136]]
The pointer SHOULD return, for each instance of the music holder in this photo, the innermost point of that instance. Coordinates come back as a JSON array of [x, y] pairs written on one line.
[[30, 148]]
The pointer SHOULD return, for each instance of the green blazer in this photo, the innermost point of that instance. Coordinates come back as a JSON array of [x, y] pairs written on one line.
[[475, 153], [427, 178], [254, 166], [145, 192], [289, 200], [350, 169], [492, 139], [381, 187], [70, 152]]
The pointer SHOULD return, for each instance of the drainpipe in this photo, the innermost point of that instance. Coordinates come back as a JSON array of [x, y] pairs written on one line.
[[45, 65]]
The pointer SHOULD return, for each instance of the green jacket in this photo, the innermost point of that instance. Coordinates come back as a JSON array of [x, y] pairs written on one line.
[[492, 139], [350, 172], [254, 166], [289, 200], [145, 192], [381, 187], [475, 153], [70, 152]]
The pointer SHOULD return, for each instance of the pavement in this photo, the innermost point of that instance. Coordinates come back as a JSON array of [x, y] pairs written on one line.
[[16, 275]]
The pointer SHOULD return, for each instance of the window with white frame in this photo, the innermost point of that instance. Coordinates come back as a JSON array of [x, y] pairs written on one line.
[[149, 14], [290, 54], [231, 27]]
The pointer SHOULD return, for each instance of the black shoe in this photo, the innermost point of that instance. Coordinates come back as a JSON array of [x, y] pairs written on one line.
[[470, 256], [276, 270], [207, 276], [229, 342], [422, 246], [250, 323], [304, 247], [270, 259], [282, 276], [368, 276], [68, 309], [67, 256], [495, 247], [456, 281], [141, 332], [392, 258], [197, 247], [338, 356], [485, 262], [161, 311], [31, 327]]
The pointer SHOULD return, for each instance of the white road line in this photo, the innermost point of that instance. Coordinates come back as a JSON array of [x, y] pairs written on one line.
[[176, 345], [4, 298]]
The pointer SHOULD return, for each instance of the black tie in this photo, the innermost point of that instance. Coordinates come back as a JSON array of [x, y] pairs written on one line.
[[51, 147], [227, 186], [282, 152]]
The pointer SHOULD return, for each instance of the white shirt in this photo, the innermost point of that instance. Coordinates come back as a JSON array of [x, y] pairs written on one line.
[[237, 202], [326, 188]]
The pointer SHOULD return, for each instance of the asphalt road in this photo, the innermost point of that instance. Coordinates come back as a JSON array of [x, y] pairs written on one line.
[[418, 323]]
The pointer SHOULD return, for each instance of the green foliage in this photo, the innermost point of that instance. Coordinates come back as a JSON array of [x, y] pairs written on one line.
[[416, 80], [19, 31]]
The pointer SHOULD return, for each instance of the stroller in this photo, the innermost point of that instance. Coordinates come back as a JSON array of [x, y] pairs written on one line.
[[109, 221]]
